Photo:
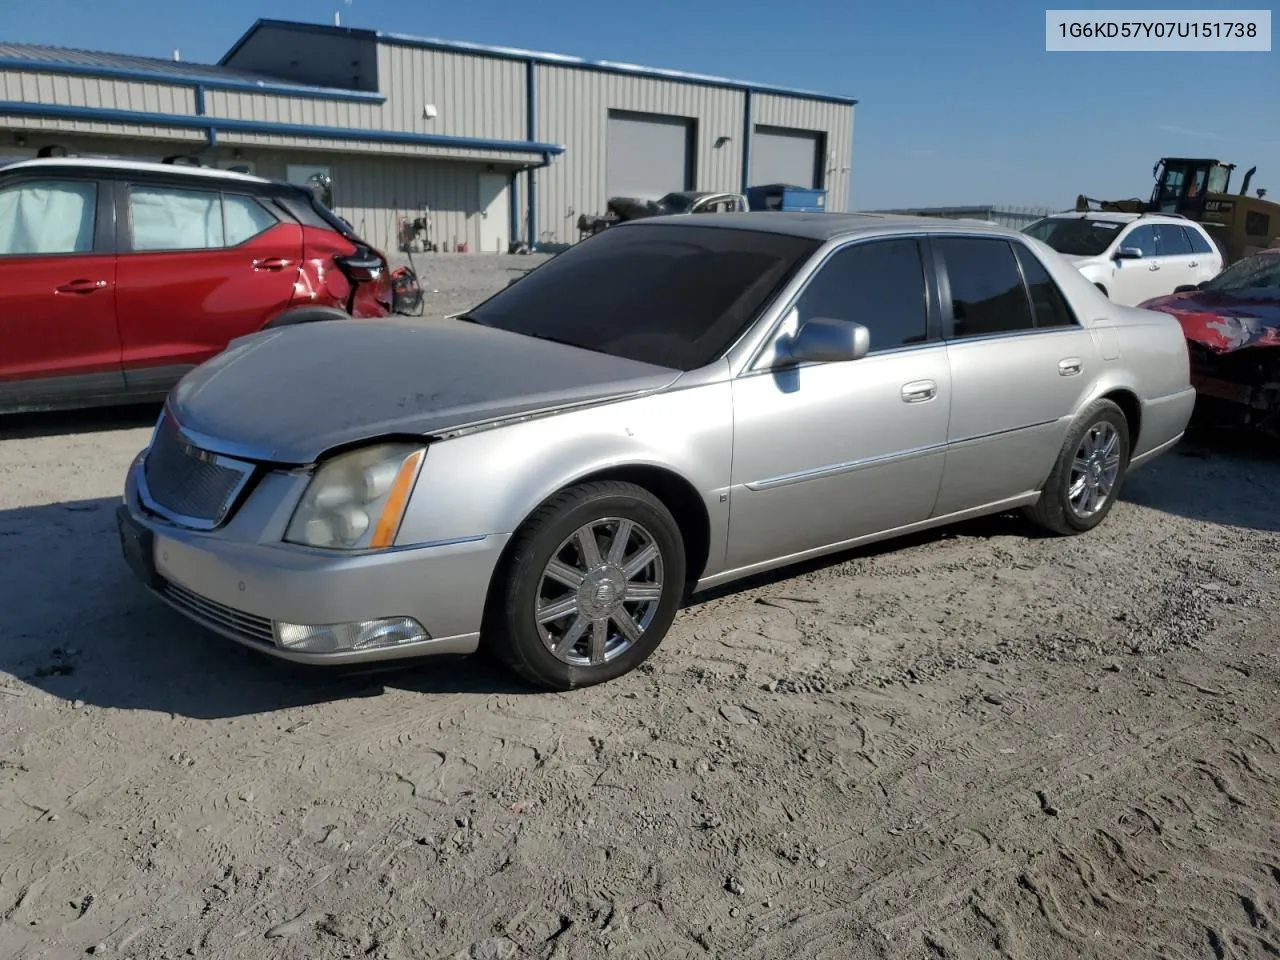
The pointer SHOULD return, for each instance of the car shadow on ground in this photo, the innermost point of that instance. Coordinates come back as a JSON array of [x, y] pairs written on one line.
[[79, 627], [1227, 478], [1232, 480]]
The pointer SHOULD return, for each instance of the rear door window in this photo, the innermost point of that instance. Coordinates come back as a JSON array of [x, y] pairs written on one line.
[[168, 218], [180, 218], [1144, 238], [1048, 305], [1197, 240], [245, 218], [1171, 241], [987, 294]]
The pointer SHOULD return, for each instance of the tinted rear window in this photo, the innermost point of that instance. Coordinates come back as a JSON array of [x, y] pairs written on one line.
[[1198, 243], [987, 294], [1049, 305], [672, 295]]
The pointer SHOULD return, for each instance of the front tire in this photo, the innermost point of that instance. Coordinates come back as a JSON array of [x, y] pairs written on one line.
[[1088, 474], [590, 587]]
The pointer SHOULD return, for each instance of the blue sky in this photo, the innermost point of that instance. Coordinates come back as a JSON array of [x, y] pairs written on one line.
[[960, 103]]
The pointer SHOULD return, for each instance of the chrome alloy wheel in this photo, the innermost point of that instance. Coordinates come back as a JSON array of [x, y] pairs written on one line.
[[599, 592], [1094, 469]]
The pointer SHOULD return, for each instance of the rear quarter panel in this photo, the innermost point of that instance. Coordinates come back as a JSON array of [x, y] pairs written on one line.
[[1157, 349], [1152, 363], [1143, 352], [490, 481]]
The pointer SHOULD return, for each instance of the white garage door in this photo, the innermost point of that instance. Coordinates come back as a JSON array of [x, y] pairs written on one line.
[[780, 155], [649, 154]]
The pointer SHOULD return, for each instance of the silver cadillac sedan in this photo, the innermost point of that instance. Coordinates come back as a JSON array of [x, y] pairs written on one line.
[[666, 406]]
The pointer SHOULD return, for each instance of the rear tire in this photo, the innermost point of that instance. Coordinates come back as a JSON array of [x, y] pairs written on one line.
[[1088, 474], [604, 610]]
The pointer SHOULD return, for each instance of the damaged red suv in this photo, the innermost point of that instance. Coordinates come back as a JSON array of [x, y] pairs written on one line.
[[1232, 326], [119, 276]]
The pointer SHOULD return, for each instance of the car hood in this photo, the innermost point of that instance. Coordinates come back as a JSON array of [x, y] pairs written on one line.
[[1224, 322], [291, 394]]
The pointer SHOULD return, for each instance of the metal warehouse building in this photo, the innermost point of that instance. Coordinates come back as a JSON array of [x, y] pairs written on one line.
[[481, 142]]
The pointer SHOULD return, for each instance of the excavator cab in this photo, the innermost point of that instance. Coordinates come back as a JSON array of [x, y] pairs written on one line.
[[1198, 189], [1182, 185]]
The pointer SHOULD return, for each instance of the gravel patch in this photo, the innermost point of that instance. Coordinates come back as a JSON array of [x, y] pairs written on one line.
[[977, 742]]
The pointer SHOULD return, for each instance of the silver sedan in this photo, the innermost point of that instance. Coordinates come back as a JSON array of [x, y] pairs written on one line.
[[665, 407]]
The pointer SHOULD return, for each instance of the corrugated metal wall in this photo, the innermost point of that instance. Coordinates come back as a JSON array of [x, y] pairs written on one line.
[[573, 109], [30, 87], [373, 192], [45, 130], [378, 149], [474, 96], [836, 119], [141, 148], [95, 92], [276, 109]]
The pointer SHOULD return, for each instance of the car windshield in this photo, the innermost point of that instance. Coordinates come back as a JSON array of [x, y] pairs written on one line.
[[672, 295], [1260, 272], [1075, 236]]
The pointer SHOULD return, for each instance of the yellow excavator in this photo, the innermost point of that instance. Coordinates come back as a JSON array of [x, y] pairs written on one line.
[[1199, 190]]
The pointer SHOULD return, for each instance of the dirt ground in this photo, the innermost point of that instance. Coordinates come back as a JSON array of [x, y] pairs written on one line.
[[975, 743]]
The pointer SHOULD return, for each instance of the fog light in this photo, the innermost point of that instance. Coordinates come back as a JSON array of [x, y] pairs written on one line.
[[363, 635]]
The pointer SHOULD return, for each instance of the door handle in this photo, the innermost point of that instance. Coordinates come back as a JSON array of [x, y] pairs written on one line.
[[918, 391], [82, 286], [1154, 266], [271, 263], [1069, 367]]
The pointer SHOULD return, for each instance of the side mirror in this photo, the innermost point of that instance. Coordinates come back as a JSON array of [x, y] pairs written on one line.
[[824, 340], [1129, 253]]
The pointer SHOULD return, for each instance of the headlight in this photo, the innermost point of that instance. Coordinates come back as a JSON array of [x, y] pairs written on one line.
[[356, 501]]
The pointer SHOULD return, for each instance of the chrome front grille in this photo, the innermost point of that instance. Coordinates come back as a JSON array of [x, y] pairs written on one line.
[[187, 485], [219, 616]]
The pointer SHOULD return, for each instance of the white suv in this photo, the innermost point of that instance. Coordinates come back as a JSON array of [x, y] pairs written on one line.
[[1132, 257]]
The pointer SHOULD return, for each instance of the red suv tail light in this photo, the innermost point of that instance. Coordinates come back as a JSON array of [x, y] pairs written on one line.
[[370, 276], [363, 266]]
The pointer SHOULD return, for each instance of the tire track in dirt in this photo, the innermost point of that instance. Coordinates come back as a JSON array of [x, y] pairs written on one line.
[[814, 765]]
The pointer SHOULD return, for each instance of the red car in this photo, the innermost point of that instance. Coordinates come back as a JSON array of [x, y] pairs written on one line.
[[119, 276], [1232, 326]]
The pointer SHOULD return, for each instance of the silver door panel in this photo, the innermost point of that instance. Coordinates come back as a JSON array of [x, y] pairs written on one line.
[[827, 452]]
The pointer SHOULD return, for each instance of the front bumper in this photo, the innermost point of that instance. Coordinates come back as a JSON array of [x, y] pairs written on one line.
[[241, 587]]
